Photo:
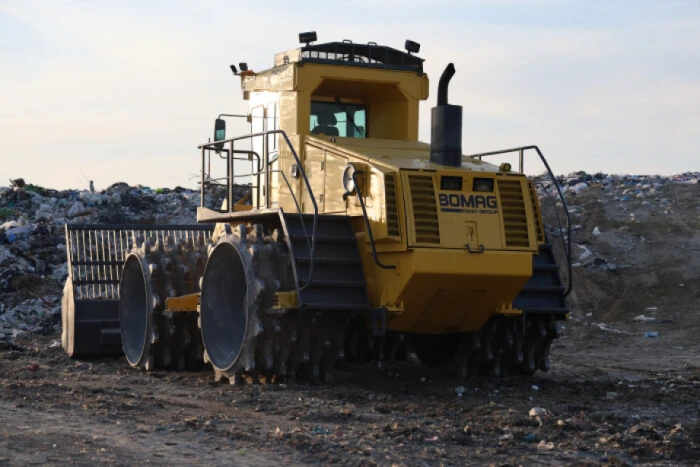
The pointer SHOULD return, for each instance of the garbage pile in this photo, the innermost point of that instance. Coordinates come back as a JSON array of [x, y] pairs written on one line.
[[635, 186], [32, 239], [638, 195]]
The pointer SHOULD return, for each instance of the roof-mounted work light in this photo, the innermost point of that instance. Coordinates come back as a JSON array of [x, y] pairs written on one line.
[[412, 47], [307, 37]]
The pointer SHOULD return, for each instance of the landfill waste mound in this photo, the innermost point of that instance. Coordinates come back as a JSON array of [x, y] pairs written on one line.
[[33, 244]]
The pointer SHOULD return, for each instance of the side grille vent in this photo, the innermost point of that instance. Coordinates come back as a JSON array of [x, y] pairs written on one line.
[[392, 209], [539, 228], [424, 209], [513, 211]]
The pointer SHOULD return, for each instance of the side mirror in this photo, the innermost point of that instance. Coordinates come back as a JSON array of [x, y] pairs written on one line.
[[219, 132]]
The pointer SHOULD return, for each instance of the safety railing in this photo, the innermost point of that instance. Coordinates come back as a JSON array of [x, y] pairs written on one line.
[[96, 253], [265, 172], [566, 243]]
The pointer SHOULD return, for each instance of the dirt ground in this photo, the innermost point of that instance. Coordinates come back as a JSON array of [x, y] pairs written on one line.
[[613, 396]]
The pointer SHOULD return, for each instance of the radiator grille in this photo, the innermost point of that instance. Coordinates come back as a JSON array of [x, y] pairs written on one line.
[[424, 209], [392, 209], [513, 211], [539, 228]]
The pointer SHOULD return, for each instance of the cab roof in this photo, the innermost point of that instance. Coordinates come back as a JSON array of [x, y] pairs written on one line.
[[347, 53]]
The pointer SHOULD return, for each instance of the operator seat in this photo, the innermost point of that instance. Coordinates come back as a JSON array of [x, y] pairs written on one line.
[[326, 124]]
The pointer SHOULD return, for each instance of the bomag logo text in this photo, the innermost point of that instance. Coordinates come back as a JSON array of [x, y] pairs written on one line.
[[472, 204]]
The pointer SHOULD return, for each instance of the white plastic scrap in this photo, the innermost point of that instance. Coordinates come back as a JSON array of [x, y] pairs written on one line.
[[605, 327], [644, 318], [586, 252]]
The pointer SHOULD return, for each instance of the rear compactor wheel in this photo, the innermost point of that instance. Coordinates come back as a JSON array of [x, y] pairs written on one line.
[[151, 338], [501, 348]]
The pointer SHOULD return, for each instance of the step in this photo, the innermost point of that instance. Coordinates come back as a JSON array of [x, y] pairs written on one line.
[[328, 260]]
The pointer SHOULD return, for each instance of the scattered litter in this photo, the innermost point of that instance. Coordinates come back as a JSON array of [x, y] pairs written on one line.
[[651, 308], [605, 327], [596, 231], [586, 252], [545, 446], [33, 367], [538, 412], [644, 318], [652, 334], [535, 388], [320, 430], [431, 440], [460, 390]]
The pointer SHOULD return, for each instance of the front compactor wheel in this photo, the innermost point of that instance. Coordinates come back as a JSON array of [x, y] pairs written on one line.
[[240, 279], [245, 336]]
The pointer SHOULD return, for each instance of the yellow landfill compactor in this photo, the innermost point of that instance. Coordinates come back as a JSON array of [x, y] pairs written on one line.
[[356, 241]]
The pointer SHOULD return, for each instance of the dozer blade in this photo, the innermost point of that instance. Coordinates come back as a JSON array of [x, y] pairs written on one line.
[[95, 254]]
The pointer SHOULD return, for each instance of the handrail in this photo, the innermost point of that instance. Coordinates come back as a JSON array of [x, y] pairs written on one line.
[[567, 245], [296, 203], [367, 226], [556, 213], [211, 146]]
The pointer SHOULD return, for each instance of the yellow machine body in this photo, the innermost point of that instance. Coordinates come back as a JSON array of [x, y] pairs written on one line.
[[461, 255]]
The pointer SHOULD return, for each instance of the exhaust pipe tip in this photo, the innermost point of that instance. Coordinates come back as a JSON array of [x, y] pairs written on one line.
[[444, 83], [446, 128]]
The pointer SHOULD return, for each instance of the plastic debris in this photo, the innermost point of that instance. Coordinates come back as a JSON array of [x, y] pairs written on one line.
[[652, 334], [605, 327], [586, 252], [320, 430], [538, 412], [644, 318], [545, 446]]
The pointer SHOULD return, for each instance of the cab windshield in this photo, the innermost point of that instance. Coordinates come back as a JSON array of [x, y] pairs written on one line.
[[338, 119]]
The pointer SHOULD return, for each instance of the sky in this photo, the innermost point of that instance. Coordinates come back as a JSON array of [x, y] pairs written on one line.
[[125, 91]]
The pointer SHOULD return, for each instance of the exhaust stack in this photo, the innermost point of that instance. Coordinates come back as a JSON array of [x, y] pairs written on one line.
[[446, 130]]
